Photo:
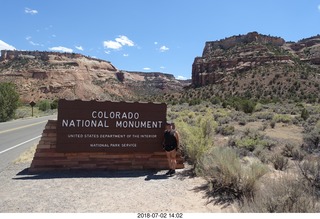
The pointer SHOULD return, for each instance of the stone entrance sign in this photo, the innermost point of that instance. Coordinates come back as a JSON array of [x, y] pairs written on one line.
[[104, 135], [115, 127]]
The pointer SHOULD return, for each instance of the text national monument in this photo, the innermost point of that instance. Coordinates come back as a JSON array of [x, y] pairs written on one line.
[[104, 135]]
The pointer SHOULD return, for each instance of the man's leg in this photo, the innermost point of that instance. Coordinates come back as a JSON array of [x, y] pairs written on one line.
[[173, 155], [169, 162]]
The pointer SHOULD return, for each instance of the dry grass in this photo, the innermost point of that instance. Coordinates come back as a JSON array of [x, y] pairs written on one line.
[[286, 132], [26, 112], [281, 131], [282, 194], [229, 177], [26, 156]]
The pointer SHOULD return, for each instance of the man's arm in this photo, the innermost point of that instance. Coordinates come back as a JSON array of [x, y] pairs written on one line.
[[176, 134]]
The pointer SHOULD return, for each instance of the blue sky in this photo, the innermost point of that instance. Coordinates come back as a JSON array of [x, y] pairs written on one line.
[[149, 35]]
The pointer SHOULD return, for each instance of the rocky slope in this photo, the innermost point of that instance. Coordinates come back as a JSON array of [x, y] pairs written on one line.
[[52, 75], [256, 65]]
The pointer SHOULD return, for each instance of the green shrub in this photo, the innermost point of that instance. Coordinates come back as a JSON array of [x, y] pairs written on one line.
[[317, 126], [310, 172], [264, 126], [225, 130], [54, 104], [298, 154], [242, 121], [258, 107], [22, 112], [253, 133], [247, 143], [230, 178], [44, 105], [9, 99], [250, 141], [293, 151], [262, 154], [313, 119], [305, 114], [191, 147], [248, 106], [282, 118], [223, 120], [196, 137], [287, 150], [312, 140], [195, 101], [279, 162], [240, 104], [264, 115], [297, 120], [215, 100], [268, 144]]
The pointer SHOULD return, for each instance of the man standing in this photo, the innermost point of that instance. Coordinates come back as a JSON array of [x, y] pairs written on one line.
[[170, 145]]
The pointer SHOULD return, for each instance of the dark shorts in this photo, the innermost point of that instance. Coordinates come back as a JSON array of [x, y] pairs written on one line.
[[170, 148]]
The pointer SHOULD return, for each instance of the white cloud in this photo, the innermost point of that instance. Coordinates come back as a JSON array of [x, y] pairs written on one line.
[[147, 69], [125, 55], [181, 78], [79, 48], [5, 46], [107, 52], [61, 49], [118, 43], [162, 67], [319, 7], [112, 44], [30, 11], [123, 40], [163, 49], [155, 43]]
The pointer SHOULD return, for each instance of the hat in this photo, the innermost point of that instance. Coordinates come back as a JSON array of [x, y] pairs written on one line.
[[168, 123]]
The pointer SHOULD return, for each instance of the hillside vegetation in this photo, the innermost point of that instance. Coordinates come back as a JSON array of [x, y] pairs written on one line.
[[51, 75], [255, 66], [250, 122], [264, 161]]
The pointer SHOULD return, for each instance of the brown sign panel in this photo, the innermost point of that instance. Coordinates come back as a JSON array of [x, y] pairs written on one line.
[[115, 127], [32, 103]]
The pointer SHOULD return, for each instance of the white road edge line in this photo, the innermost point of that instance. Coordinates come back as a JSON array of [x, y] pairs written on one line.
[[1, 152]]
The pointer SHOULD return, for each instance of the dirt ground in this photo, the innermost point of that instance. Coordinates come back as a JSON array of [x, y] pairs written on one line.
[[102, 192]]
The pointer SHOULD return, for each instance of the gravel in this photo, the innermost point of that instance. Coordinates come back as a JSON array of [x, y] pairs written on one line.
[[80, 191]]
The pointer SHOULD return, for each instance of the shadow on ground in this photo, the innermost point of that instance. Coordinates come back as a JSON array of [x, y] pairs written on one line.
[[54, 174], [223, 197], [26, 175]]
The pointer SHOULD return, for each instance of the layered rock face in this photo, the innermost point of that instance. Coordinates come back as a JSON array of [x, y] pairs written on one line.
[[245, 52], [308, 50], [52, 75]]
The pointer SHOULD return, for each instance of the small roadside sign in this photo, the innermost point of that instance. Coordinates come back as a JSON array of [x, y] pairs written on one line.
[[32, 104]]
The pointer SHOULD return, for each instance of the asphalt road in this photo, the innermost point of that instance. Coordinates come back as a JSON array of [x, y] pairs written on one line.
[[19, 135]]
